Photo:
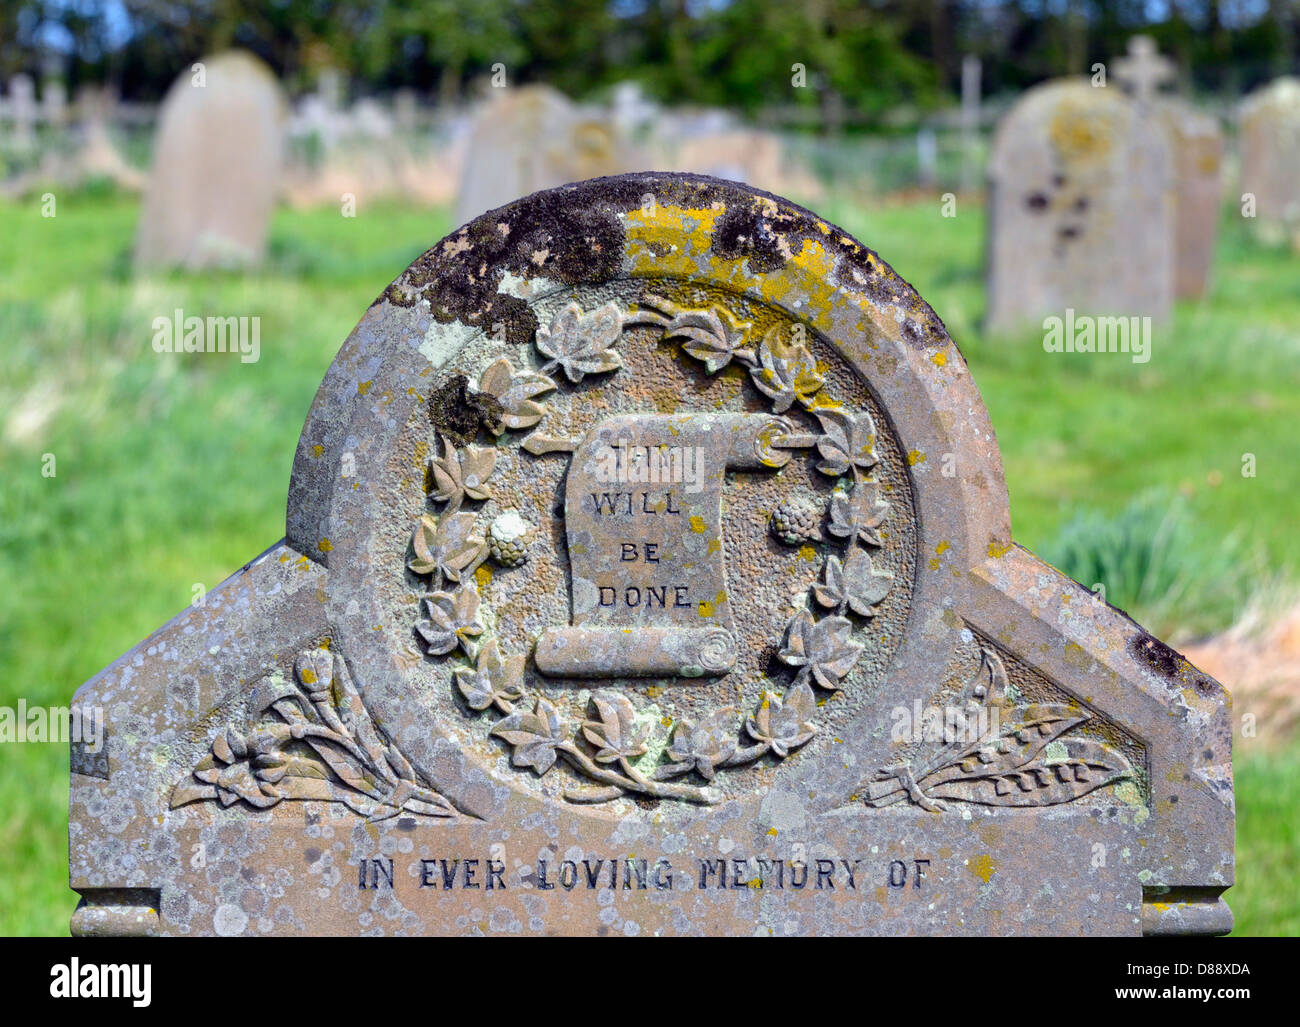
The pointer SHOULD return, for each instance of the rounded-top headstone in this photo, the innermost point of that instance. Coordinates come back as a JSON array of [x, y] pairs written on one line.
[[216, 166], [648, 567]]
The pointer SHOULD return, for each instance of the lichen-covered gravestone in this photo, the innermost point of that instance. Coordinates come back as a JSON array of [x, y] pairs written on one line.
[[216, 165], [649, 570], [1082, 208]]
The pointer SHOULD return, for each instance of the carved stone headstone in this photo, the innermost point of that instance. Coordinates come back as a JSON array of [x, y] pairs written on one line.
[[1270, 156], [1081, 210], [648, 570], [216, 167]]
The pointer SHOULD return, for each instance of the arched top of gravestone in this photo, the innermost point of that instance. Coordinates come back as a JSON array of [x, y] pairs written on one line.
[[1070, 116], [835, 477]]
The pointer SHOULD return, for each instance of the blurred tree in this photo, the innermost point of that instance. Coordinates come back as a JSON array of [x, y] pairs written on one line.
[[865, 60]]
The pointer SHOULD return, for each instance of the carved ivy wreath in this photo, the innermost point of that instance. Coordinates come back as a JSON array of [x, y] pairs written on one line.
[[818, 640]]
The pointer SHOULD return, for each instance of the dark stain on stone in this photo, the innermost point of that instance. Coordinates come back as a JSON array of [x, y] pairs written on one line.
[[1036, 202], [1170, 664], [1155, 654], [458, 411], [1081, 204], [311, 855], [406, 824]]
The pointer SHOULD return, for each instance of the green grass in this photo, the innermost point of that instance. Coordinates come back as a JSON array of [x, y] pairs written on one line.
[[172, 472]]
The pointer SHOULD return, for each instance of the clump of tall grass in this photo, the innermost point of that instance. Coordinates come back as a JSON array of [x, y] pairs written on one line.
[[1157, 564]]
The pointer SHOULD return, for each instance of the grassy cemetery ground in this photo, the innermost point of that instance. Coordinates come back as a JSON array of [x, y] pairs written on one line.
[[171, 471]]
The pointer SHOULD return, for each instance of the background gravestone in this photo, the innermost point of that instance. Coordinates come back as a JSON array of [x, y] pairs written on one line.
[[1198, 153], [1198, 163], [1081, 208], [216, 164], [533, 137], [1270, 155], [624, 591]]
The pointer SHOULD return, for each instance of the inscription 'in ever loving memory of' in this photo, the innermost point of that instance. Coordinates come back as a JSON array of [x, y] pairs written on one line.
[[631, 874]]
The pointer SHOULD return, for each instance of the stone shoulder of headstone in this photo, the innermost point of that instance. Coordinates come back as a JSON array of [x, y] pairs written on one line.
[[648, 569]]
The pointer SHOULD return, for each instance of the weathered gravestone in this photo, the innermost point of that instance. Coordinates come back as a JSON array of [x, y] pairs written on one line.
[[1081, 208], [216, 164], [648, 569], [1197, 144], [1270, 159], [534, 137]]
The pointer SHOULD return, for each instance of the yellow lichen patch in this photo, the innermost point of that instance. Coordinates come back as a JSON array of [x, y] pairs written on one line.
[[698, 524], [483, 576], [943, 547], [324, 545], [667, 240], [363, 387], [318, 451], [308, 676], [998, 549], [771, 831], [915, 457], [939, 359], [807, 553], [706, 608], [654, 691], [983, 867]]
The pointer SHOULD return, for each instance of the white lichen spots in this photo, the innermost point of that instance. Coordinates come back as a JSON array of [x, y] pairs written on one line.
[[229, 921]]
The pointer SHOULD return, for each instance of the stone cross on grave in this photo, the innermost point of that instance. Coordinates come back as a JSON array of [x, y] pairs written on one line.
[[1143, 71]]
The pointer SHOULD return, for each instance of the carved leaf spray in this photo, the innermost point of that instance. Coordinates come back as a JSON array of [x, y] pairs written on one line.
[[311, 739], [995, 752]]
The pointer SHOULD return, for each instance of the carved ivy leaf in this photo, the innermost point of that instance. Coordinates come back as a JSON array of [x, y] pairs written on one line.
[[452, 620], [707, 744], [848, 440], [784, 725], [821, 649], [786, 372], [859, 512], [462, 472], [517, 392], [829, 592], [446, 544], [494, 681], [533, 736], [865, 586], [711, 336], [579, 343], [614, 732]]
